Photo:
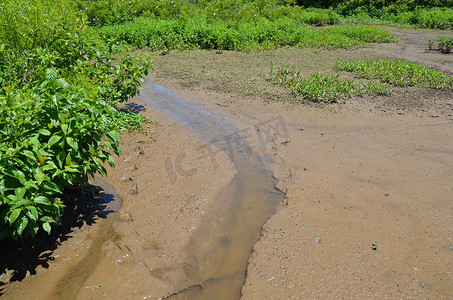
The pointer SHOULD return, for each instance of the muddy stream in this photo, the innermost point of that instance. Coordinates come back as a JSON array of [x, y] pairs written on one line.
[[219, 251], [214, 260]]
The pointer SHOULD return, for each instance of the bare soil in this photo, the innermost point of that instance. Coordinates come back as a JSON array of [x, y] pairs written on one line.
[[369, 187]]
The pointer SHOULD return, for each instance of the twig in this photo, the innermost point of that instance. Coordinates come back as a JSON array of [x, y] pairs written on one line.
[[195, 286]]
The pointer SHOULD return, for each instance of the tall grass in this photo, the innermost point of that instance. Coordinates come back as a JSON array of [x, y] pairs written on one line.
[[199, 33]]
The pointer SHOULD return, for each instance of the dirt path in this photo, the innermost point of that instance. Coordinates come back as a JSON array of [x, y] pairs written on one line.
[[368, 210]]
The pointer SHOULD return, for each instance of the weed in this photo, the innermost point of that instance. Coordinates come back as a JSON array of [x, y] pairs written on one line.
[[397, 72], [324, 88], [445, 44]]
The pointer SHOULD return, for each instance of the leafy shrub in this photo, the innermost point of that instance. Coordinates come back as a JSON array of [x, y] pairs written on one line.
[[397, 72], [58, 89]]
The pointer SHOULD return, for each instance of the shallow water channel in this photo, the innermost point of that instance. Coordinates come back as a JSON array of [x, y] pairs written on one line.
[[217, 254], [214, 261]]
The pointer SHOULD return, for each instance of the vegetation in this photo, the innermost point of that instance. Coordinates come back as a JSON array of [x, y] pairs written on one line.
[[436, 17], [445, 44], [61, 80], [130, 121], [324, 88], [428, 13], [59, 87], [397, 72], [200, 34], [380, 74]]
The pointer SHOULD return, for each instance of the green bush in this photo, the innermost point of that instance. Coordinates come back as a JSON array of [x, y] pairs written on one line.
[[58, 90]]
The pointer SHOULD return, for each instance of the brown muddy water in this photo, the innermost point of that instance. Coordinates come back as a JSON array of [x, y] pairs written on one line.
[[217, 254], [74, 280]]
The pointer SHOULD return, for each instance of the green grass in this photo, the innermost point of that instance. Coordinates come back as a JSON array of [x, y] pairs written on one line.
[[397, 72], [164, 34], [325, 88], [129, 121]]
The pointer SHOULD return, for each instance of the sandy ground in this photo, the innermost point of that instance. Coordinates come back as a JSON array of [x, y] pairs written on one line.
[[357, 179], [366, 173], [368, 214]]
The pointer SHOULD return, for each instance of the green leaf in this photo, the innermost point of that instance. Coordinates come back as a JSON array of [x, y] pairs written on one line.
[[19, 175], [52, 187], [32, 213], [44, 132], [33, 229], [21, 224], [40, 177], [29, 154], [13, 216], [46, 227], [64, 127], [71, 142], [47, 219], [53, 140], [111, 161], [60, 158], [20, 192], [68, 159], [31, 184], [42, 200], [51, 74], [113, 135]]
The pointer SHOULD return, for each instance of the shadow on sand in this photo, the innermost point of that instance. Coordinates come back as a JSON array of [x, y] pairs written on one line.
[[84, 206]]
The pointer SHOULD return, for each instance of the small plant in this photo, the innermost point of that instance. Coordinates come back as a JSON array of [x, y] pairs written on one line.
[[445, 44], [430, 45]]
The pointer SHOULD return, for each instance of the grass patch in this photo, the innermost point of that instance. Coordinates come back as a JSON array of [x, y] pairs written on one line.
[[325, 88], [166, 34], [397, 72], [130, 121]]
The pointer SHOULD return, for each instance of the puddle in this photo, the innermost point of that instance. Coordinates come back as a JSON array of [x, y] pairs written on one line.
[[218, 252]]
